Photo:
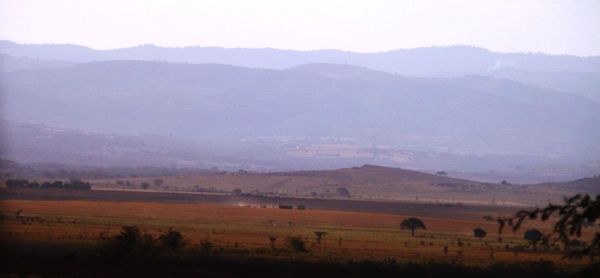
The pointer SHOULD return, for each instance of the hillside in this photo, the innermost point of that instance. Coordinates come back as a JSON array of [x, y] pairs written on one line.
[[365, 182], [10, 63], [589, 184], [219, 103], [438, 61], [316, 116], [586, 84]]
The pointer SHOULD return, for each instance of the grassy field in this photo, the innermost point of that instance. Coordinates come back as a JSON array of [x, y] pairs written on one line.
[[365, 182], [246, 230]]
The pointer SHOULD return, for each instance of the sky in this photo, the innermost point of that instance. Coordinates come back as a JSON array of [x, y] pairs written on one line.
[[550, 26]]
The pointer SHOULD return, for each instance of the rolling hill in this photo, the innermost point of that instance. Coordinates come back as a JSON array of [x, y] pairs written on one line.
[[219, 103], [367, 182], [431, 61]]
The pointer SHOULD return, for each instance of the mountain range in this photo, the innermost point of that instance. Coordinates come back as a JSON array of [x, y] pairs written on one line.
[[452, 60], [462, 101]]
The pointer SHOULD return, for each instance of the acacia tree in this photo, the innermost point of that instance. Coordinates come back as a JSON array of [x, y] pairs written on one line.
[[479, 233], [533, 236], [577, 213], [412, 224]]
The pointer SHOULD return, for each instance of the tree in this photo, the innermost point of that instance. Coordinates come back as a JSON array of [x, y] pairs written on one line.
[[172, 240], [479, 233], [412, 224], [145, 185], [533, 236], [441, 173], [577, 212], [342, 191], [129, 238], [131, 242], [236, 191]]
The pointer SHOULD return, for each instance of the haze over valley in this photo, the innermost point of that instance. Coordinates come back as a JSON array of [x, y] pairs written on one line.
[[464, 110], [286, 138]]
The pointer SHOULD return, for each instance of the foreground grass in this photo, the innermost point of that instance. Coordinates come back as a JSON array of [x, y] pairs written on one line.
[[62, 238], [61, 261], [351, 235]]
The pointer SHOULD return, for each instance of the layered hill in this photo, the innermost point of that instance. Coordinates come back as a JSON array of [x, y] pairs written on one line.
[[449, 61], [221, 103]]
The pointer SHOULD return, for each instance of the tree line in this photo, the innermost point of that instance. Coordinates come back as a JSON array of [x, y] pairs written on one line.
[[72, 184]]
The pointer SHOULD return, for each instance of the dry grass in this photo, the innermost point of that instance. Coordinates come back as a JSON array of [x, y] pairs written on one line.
[[363, 182], [351, 235]]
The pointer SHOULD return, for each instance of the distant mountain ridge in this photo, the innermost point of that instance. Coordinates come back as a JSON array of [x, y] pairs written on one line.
[[586, 84], [453, 108], [223, 102], [438, 61]]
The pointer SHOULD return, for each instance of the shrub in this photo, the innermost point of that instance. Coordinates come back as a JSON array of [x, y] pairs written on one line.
[[297, 243], [172, 240], [130, 242]]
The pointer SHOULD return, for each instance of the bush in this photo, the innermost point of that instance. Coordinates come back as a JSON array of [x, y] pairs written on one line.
[[172, 240], [130, 242], [297, 243]]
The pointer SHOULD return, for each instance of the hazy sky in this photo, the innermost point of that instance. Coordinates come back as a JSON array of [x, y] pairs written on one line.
[[549, 26]]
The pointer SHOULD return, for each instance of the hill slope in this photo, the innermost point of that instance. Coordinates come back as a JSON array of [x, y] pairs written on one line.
[[368, 181], [450, 61], [219, 103]]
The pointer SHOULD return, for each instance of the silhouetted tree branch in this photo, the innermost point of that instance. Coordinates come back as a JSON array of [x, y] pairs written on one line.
[[578, 212]]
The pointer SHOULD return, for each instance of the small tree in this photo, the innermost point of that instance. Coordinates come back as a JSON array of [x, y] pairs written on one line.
[[479, 233], [145, 185], [533, 236], [236, 191], [172, 240], [412, 224]]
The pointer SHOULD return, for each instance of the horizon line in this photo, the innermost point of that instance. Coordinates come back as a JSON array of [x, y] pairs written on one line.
[[298, 50]]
